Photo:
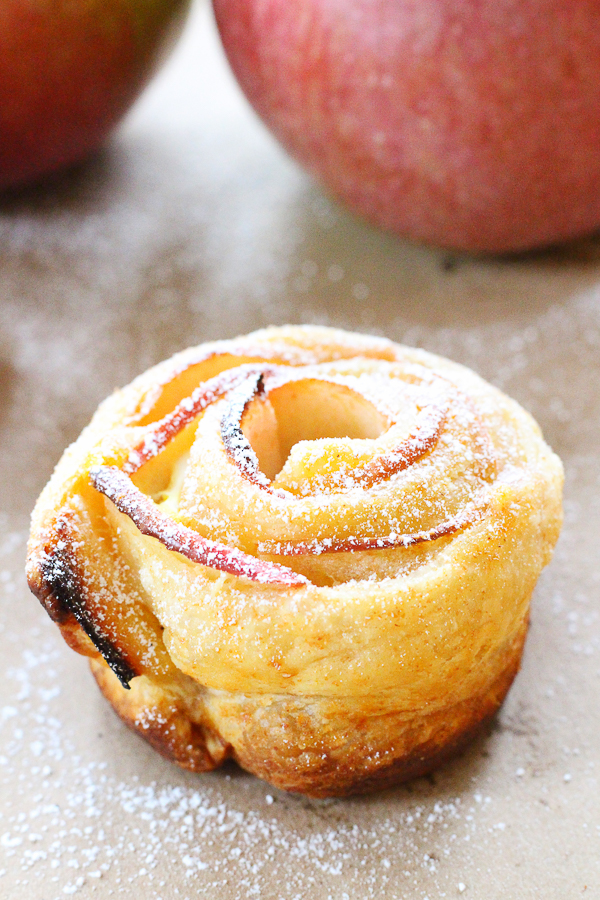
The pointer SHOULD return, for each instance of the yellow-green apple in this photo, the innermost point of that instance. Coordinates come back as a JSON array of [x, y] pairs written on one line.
[[69, 69], [470, 124]]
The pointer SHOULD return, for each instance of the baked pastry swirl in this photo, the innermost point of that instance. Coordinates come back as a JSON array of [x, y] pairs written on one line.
[[307, 550]]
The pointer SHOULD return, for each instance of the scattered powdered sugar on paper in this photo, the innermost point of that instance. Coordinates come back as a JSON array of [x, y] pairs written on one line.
[[85, 826], [73, 825]]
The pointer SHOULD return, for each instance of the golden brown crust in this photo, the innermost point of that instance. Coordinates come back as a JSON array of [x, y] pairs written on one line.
[[297, 746], [380, 751], [59, 584], [163, 719], [309, 551]]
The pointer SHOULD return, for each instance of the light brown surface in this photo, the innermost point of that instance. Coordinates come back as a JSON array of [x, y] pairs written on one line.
[[194, 226]]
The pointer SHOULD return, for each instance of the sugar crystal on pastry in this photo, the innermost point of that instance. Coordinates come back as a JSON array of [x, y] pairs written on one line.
[[309, 551]]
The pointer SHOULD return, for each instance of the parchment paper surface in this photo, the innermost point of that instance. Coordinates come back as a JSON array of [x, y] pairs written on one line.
[[191, 225]]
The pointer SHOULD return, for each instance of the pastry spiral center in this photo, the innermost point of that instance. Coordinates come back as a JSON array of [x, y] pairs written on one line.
[[307, 410]]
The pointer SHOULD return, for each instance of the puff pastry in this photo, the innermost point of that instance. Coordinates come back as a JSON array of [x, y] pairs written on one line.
[[307, 550]]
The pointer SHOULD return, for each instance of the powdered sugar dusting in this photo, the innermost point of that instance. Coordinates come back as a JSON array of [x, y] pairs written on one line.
[[236, 446], [87, 828], [466, 517], [151, 521], [202, 228]]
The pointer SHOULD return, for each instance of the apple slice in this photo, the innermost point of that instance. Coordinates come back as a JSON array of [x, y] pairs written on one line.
[[118, 487], [468, 516], [340, 464], [237, 446], [163, 431], [343, 410]]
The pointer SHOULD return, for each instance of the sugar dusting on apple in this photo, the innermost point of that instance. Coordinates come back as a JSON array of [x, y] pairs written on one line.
[[69, 71], [473, 126]]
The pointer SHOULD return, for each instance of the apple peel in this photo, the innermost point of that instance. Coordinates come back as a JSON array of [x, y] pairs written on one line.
[[384, 514], [149, 520]]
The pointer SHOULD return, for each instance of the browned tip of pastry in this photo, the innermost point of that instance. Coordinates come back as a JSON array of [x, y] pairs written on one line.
[[59, 587], [236, 444], [430, 424], [161, 717], [148, 518], [171, 425]]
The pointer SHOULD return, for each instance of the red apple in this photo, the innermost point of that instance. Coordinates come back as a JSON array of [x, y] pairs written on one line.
[[69, 69], [471, 124]]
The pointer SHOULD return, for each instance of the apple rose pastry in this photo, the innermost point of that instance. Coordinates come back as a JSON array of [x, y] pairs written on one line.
[[306, 550]]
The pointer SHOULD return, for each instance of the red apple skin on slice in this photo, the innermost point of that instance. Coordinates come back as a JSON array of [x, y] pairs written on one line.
[[472, 126], [292, 629]]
